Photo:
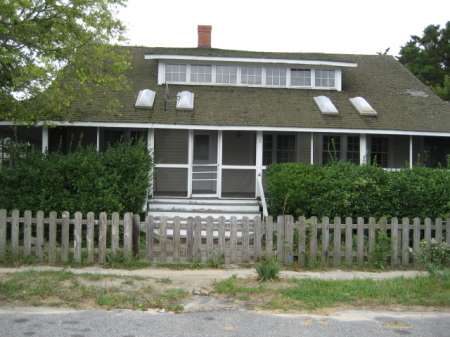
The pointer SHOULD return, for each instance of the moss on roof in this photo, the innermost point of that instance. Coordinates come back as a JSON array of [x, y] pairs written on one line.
[[381, 80]]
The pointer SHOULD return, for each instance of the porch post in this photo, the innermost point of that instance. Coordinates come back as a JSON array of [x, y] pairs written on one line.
[[312, 148], [219, 163], [362, 149], [150, 147], [259, 160], [411, 151], [44, 138], [190, 161], [98, 139]]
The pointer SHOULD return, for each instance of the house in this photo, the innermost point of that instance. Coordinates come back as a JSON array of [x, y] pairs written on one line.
[[215, 119]]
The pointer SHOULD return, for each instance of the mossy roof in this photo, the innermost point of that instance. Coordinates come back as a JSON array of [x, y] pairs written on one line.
[[381, 80]]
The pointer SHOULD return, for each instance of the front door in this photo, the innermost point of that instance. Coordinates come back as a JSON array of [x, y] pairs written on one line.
[[204, 164]]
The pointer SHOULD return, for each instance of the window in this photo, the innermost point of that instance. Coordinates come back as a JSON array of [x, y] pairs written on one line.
[[251, 75], [226, 74], [340, 148], [201, 74], [379, 151], [324, 78], [276, 76], [279, 148], [331, 148], [301, 77], [176, 72]]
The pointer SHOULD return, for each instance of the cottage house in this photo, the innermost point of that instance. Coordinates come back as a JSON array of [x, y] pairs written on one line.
[[215, 119]]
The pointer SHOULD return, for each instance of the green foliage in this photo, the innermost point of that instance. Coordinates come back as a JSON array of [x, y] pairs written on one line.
[[268, 268], [343, 189], [434, 255], [382, 251], [65, 40], [84, 180], [427, 56]]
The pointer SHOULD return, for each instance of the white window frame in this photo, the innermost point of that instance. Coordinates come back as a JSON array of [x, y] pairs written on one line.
[[288, 68]]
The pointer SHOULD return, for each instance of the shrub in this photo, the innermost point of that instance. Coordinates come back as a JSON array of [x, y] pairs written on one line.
[[268, 268]]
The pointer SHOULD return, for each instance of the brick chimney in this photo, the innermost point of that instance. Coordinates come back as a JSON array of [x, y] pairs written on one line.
[[204, 36]]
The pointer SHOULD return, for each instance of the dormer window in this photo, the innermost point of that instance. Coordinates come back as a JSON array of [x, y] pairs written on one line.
[[281, 73]]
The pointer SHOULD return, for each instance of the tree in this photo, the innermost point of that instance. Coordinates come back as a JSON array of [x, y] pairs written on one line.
[[52, 51], [428, 57]]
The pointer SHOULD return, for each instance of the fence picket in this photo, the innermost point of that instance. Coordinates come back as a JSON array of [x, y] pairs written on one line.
[[163, 239], [52, 238], [176, 239], [325, 238], [394, 241], [128, 235], [337, 242], [27, 234], [349, 240], [257, 243], [372, 237], [197, 239], [360, 241], [289, 240], [416, 240], [190, 240], [65, 233], [102, 237], [3, 232], [115, 232], [280, 237], [150, 223], [222, 238], [313, 242], [269, 235], [245, 240], [405, 241], [302, 241], [90, 217], [15, 233], [209, 238], [438, 230], [233, 239]]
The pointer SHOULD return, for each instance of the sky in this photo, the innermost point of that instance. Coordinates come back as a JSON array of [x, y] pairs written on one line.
[[327, 26]]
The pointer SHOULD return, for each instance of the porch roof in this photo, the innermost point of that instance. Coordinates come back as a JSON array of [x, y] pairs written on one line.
[[381, 80]]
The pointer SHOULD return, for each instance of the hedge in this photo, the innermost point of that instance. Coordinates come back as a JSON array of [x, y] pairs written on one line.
[[342, 189], [83, 180]]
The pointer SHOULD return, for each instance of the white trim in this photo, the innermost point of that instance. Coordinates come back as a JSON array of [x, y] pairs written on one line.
[[363, 149], [249, 60], [241, 128]]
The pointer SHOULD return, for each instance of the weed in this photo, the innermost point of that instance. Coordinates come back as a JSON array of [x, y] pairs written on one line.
[[175, 294], [215, 260], [382, 251], [268, 268], [165, 280], [114, 260]]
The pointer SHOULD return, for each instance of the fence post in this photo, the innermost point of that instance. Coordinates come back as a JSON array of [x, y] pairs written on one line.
[[337, 242], [128, 235], [65, 237], [3, 233], [394, 242]]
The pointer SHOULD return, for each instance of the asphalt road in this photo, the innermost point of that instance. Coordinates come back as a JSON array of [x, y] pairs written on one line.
[[127, 323]]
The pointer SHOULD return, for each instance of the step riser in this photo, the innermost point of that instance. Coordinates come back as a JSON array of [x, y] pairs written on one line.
[[205, 208], [204, 215]]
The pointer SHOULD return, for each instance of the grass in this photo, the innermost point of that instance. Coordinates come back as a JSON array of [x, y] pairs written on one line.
[[310, 294]]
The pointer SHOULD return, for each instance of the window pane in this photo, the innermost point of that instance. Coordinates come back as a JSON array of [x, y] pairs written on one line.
[[353, 149], [267, 149], [251, 75], [301, 77], [276, 76], [201, 74], [324, 78], [226, 74], [176, 72]]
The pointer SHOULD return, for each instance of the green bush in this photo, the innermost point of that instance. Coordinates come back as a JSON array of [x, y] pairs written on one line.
[[83, 180], [342, 189]]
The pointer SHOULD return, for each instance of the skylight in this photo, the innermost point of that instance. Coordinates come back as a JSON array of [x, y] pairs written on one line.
[[145, 99], [325, 105], [185, 100], [362, 106]]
